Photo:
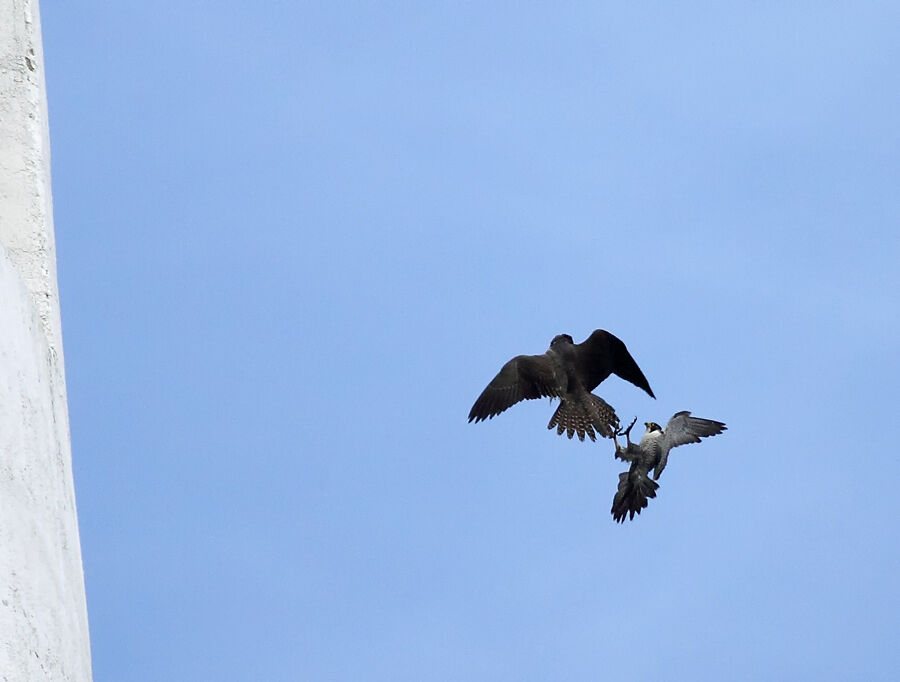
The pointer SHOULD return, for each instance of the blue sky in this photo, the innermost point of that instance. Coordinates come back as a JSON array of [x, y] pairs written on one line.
[[296, 240]]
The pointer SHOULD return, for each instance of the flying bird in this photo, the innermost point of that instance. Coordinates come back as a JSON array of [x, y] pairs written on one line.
[[567, 371], [635, 485]]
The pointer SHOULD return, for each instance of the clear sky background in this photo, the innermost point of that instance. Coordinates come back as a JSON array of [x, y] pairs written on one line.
[[295, 242]]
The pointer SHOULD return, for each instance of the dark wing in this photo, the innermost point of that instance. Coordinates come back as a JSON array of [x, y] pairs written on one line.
[[602, 354], [681, 430], [635, 489], [522, 378], [628, 453]]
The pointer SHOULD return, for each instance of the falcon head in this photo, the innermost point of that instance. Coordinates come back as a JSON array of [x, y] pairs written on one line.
[[561, 338], [652, 426]]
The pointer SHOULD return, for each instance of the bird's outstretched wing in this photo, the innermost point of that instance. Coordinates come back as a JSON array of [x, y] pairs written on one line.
[[602, 354], [635, 489], [628, 453], [523, 378], [682, 429]]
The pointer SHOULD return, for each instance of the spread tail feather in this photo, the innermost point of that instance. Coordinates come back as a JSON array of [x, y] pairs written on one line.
[[635, 489], [584, 417]]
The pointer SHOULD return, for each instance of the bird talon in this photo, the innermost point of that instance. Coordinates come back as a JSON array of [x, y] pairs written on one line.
[[627, 432]]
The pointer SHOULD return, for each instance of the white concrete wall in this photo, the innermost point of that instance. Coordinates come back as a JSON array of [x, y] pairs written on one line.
[[43, 616]]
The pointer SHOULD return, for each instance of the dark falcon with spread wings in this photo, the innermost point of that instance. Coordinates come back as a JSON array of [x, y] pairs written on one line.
[[635, 485], [568, 371]]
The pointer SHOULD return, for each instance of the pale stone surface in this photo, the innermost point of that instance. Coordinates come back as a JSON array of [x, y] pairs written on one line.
[[43, 616]]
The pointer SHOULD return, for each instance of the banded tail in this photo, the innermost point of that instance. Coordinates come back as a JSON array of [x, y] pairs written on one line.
[[635, 489], [584, 417]]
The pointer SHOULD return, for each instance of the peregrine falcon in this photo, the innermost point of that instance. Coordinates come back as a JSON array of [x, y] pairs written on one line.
[[635, 487], [567, 371]]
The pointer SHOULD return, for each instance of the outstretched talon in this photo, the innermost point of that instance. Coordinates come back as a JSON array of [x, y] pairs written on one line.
[[627, 432]]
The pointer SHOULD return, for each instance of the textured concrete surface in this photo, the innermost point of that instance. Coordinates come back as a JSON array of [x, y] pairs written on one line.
[[43, 616]]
